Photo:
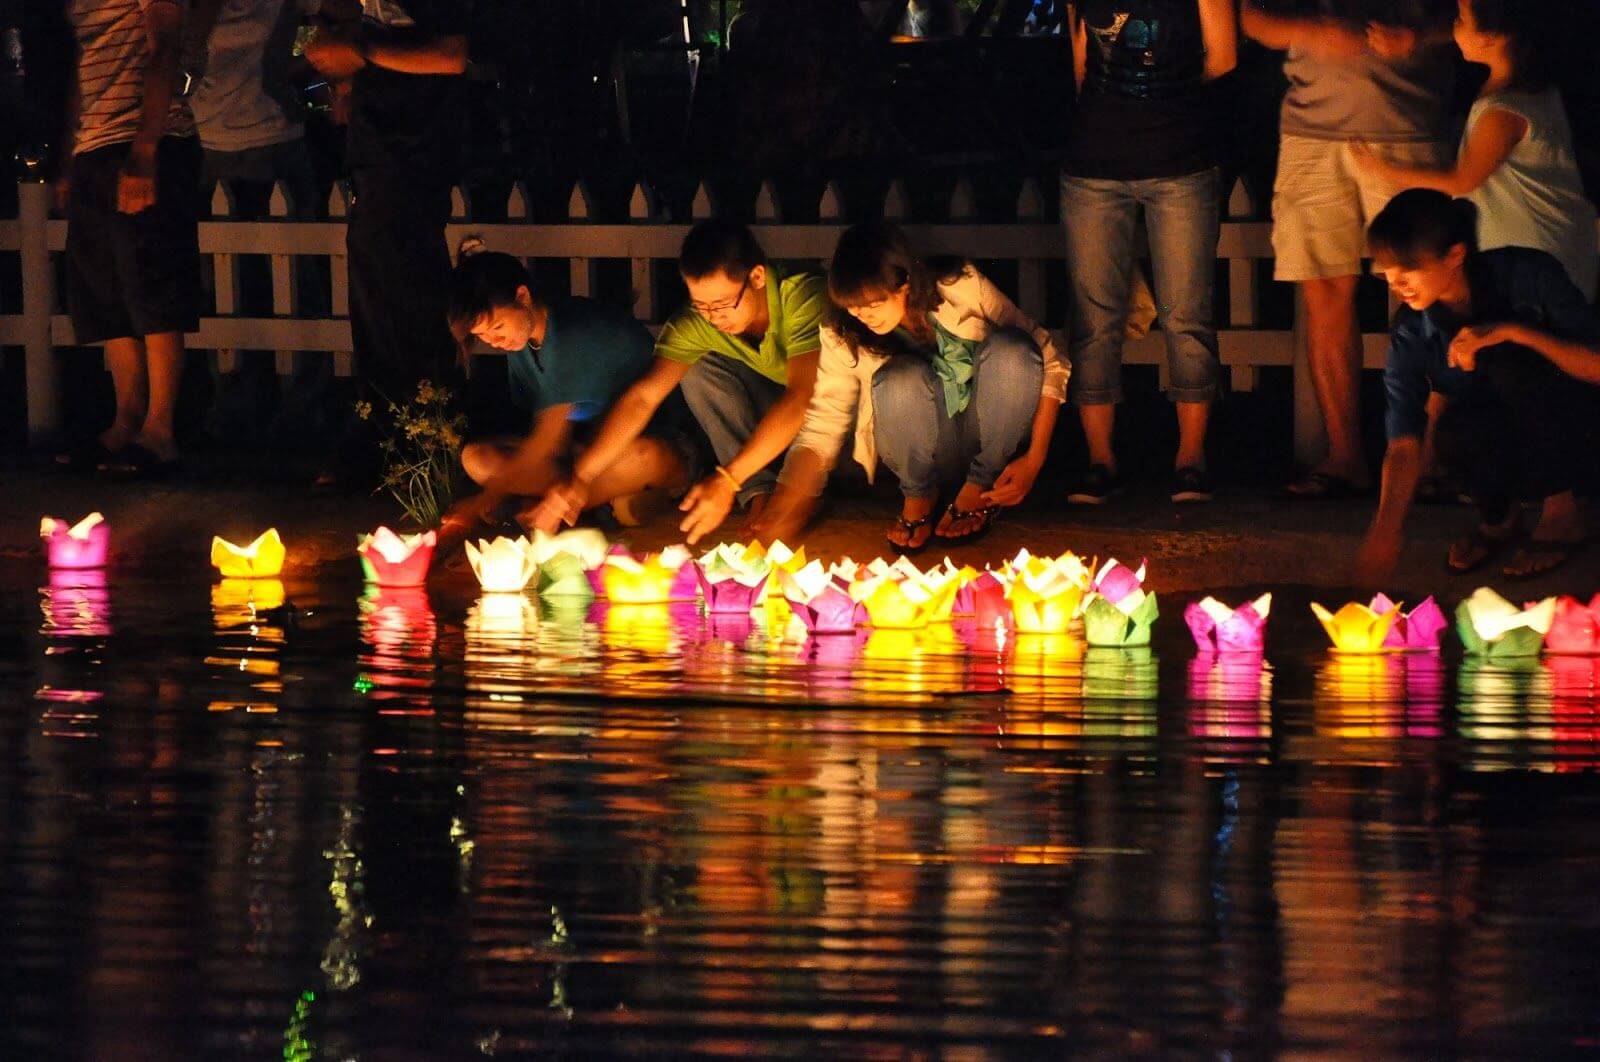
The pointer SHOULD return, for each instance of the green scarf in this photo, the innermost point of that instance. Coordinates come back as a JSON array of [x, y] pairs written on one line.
[[954, 361]]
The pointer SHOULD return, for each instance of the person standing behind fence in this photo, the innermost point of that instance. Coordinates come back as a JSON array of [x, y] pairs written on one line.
[[1349, 78], [745, 353], [132, 263], [1516, 161], [253, 137], [403, 61], [1143, 136]]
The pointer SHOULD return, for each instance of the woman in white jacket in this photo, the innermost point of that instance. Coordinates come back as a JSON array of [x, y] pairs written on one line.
[[944, 378]]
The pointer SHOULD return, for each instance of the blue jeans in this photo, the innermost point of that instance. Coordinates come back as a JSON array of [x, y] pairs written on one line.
[[729, 398], [922, 444], [1183, 219]]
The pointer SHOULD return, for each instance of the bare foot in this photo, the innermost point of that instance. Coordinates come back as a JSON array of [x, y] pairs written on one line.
[[913, 512], [163, 446]]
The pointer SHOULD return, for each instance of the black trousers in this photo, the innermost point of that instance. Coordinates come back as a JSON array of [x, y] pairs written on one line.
[[399, 270], [1523, 434]]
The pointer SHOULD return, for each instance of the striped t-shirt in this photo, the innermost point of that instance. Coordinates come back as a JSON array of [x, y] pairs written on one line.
[[112, 48]]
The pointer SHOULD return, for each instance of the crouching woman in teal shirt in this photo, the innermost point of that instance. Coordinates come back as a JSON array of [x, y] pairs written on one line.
[[569, 360]]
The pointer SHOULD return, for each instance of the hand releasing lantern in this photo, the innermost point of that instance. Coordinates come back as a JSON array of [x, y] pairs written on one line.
[[1493, 628], [1218, 628], [82, 545], [503, 566], [818, 600], [261, 559], [1356, 628], [1414, 631], [389, 559]]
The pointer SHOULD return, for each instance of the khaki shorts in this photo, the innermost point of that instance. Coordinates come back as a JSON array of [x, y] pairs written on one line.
[[1323, 202]]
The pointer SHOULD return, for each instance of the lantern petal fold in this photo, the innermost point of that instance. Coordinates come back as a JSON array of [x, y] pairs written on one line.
[[1492, 627], [1574, 628], [1218, 628], [82, 545], [389, 559], [504, 565], [261, 559]]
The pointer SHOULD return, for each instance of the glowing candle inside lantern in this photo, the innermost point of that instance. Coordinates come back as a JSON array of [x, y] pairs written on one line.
[[82, 545], [502, 566], [261, 559], [1492, 627], [389, 559], [1218, 628], [1356, 628]]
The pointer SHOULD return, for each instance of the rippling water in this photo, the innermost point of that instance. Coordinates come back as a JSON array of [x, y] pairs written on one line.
[[253, 820]]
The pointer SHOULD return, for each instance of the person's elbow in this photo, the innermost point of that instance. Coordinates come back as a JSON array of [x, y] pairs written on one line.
[[1219, 64]]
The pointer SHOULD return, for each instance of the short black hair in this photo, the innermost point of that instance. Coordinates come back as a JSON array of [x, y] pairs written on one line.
[[483, 281], [1421, 221], [718, 245], [1529, 25]]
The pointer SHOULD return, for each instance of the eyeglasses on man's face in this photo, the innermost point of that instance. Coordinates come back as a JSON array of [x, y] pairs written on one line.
[[709, 309]]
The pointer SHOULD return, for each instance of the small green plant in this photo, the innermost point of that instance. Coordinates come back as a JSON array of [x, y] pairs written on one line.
[[422, 453]]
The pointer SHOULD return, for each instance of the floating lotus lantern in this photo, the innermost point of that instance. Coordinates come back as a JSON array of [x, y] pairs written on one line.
[[389, 559], [1575, 627], [1493, 628], [1218, 628], [503, 566], [567, 562], [1045, 594], [902, 603], [655, 579], [901, 568], [732, 578], [820, 602], [991, 607], [963, 603], [1123, 623], [782, 559], [1356, 628], [82, 545], [261, 559], [1414, 631]]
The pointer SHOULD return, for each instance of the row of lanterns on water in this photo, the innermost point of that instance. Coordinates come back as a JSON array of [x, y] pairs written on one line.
[[1027, 594]]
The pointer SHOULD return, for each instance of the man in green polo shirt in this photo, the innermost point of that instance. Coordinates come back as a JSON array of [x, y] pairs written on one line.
[[745, 353]]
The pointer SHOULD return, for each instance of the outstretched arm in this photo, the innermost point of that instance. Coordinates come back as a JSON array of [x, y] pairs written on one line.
[[1380, 550], [1488, 146]]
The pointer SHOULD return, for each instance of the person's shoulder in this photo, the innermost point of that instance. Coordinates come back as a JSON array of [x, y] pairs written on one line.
[[1515, 266], [802, 284]]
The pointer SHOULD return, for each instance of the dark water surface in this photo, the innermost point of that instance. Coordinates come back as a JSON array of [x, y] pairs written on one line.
[[413, 826]]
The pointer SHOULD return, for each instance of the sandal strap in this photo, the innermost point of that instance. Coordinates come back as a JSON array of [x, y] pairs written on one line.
[[913, 525]]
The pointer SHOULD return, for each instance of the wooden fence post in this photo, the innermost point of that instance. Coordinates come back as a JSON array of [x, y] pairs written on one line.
[[1030, 271], [1244, 289], [225, 275], [339, 277], [585, 271], [641, 209], [38, 305], [285, 277]]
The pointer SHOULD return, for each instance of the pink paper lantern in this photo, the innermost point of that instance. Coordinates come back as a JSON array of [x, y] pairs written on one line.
[[729, 596], [397, 560], [990, 607], [1575, 631], [76, 546], [1417, 630], [1115, 581], [1216, 628], [820, 603], [596, 574]]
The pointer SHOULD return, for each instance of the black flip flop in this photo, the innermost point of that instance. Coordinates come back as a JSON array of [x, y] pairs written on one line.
[[911, 527], [1323, 486], [984, 515]]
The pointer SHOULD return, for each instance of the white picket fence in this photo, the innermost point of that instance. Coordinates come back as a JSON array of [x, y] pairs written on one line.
[[645, 239]]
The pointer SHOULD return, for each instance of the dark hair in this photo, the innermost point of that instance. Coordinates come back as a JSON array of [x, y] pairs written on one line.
[[719, 246], [872, 261], [482, 282], [1421, 221], [1527, 24]]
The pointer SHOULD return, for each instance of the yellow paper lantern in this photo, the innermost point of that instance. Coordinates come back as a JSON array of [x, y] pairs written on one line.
[[261, 559], [1356, 628]]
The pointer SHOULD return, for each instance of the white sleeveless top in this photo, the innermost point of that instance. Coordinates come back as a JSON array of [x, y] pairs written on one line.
[[1535, 199]]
